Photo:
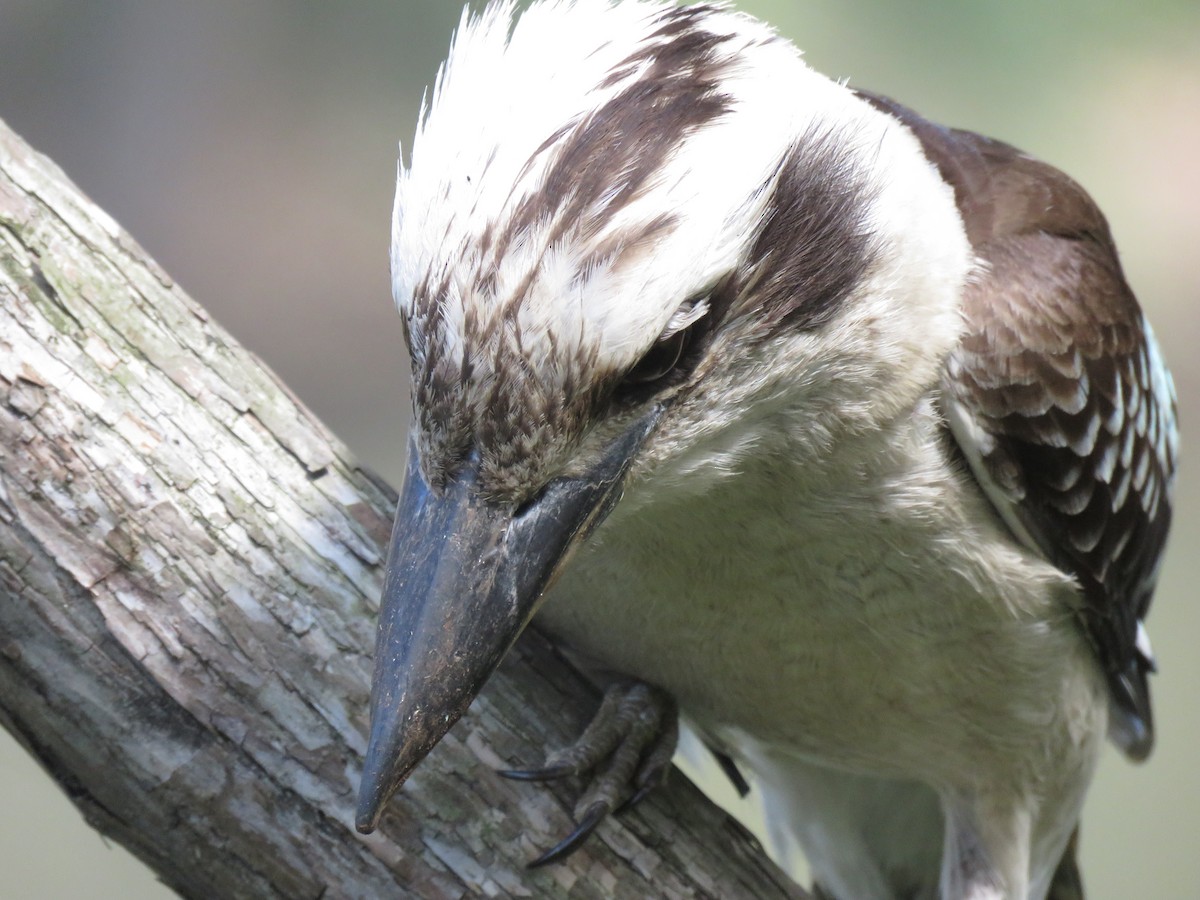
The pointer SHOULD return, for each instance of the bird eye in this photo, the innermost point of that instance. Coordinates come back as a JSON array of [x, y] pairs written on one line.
[[659, 360], [670, 353]]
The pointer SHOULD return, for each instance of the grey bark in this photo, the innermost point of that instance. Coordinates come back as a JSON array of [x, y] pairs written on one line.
[[189, 566]]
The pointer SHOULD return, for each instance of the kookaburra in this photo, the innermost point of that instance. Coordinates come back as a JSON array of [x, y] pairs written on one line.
[[839, 429]]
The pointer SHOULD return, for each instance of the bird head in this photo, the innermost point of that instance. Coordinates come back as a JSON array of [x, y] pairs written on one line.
[[635, 242]]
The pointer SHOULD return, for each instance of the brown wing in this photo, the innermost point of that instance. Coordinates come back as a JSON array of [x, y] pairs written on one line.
[[1058, 397]]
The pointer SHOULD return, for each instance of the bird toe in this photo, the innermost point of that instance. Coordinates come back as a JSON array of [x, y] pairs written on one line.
[[626, 752]]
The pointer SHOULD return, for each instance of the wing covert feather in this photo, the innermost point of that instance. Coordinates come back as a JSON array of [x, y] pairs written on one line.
[[1058, 395]]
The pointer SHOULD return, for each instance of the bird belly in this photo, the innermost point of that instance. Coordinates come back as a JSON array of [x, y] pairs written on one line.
[[849, 651], [853, 648]]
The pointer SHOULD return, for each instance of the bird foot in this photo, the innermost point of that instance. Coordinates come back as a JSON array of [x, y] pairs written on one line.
[[627, 750]]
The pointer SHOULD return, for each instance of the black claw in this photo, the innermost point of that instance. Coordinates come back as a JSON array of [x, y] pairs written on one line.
[[732, 772], [549, 773], [568, 845], [626, 750], [647, 782], [636, 797]]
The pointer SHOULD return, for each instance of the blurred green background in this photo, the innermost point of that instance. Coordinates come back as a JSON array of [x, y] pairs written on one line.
[[251, 148]]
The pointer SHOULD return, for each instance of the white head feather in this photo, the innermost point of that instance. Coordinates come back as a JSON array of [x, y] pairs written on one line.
[[599, 283]]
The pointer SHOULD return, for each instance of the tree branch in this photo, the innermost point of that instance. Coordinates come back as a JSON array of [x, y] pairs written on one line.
[[189, 566]]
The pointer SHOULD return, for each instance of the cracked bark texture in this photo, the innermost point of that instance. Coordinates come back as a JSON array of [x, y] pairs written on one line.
[[189, 567]]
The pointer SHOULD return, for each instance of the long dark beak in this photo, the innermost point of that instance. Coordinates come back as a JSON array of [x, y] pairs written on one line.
[[464, 577]]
